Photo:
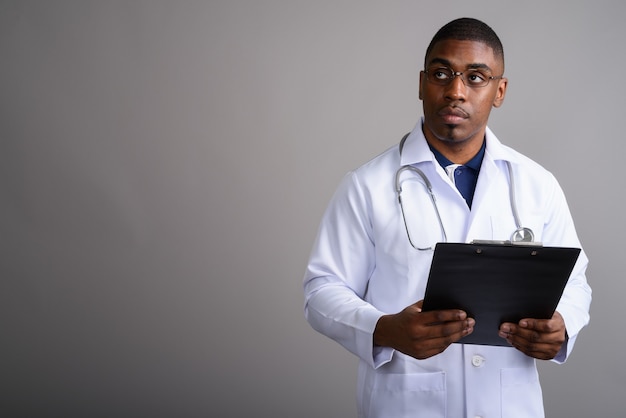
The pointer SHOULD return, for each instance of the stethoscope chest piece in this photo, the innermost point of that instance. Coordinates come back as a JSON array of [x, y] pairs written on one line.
[[523, 234]]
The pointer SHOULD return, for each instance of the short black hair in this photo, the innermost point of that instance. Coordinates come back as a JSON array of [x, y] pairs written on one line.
[[468, 29]]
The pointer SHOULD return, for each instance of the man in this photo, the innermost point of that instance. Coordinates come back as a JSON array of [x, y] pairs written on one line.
[[365, 279]]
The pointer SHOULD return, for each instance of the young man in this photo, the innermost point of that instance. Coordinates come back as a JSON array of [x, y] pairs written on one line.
[[369, 266]]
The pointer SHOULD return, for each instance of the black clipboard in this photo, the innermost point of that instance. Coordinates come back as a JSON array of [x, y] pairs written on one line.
[[496, 283]]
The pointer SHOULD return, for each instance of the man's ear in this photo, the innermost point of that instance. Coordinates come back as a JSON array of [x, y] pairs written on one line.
[[421, 81], [501, 92]]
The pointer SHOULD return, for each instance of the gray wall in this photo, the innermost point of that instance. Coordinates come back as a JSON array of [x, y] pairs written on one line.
[[164, 167]]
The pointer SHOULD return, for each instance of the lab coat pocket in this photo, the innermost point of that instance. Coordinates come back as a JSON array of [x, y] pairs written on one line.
[[521, 393], [404, 395]]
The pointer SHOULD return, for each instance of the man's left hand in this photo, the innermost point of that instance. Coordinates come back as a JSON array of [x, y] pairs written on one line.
[[538, 338]]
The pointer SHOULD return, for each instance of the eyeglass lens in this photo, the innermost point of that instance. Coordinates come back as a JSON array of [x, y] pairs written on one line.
[[471, 78]]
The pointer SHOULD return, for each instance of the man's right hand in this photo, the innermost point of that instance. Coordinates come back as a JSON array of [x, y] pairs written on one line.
[[422, 334]]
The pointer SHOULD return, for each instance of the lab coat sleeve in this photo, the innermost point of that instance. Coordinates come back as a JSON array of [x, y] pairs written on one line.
[[336, 279], [576, 300]]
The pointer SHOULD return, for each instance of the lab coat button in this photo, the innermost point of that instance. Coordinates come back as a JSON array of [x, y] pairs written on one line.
[[478, 361]]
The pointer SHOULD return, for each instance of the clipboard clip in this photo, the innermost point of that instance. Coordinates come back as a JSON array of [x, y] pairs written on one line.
[[507, 243]]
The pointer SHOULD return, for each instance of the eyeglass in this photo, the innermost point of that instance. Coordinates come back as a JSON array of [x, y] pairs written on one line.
[[443, 76]]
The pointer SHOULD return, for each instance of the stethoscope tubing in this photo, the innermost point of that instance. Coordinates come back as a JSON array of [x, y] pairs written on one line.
[[521, 234]]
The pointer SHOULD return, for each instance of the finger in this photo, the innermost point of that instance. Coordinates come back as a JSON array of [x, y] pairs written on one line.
[[543, 346], [443, 335], [507, 329], [555, 322], [438, 317], [533, 329], [530, 336], [527, 336], [449, 332], [538, 351], [419, 305], [543, 325]]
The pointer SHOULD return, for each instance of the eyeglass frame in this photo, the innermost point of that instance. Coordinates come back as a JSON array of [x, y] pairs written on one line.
[[459, 74]]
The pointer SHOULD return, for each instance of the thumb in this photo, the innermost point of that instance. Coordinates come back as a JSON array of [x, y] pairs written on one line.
[[419, 305]]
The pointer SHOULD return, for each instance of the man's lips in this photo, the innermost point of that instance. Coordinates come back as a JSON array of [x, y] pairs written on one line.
[[453, 115]]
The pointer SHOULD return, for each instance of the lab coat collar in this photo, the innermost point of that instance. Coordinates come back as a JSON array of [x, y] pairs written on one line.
[[416, 149]]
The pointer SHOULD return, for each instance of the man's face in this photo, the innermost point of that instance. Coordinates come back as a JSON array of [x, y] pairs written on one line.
[[455, 113]]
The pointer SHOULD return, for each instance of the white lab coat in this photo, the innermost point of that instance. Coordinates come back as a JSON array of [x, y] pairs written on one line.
[[362, 267]]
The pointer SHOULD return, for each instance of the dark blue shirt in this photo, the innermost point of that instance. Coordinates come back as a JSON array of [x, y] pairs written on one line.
[[466, 175]]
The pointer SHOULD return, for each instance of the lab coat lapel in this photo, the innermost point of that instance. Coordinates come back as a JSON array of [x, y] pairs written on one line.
[[492, 190]]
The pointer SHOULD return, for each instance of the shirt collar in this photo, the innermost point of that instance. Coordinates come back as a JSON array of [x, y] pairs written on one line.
[[474, 163], [416, 149]]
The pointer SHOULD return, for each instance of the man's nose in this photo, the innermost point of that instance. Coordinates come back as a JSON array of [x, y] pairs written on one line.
[[457, 89]]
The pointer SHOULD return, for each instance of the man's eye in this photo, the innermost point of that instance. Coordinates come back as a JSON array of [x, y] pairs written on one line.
[[476, 77], [441, 74]]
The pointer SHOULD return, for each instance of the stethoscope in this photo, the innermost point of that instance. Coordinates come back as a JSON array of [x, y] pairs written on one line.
[[520, 235]]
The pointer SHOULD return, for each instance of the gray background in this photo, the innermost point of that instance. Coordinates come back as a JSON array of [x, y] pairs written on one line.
[[164, 167]]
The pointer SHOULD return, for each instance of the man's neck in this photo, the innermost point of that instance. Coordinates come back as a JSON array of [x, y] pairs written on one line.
[[458, 152]]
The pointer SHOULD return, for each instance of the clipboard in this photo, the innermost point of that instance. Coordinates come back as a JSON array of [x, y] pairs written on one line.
[[497, 282]]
